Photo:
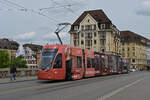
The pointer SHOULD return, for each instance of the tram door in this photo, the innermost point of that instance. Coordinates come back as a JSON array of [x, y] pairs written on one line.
[[58, 68], [68, 69]]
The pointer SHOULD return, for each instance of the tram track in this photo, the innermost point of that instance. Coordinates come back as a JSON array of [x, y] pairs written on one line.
[[48, 85], [42, 87], [84, 82]]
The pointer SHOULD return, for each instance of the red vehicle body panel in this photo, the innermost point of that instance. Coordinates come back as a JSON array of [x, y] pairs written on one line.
[[77, 73], [76, 64]]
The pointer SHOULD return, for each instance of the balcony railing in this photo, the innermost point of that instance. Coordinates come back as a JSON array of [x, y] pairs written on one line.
[[88, 37]]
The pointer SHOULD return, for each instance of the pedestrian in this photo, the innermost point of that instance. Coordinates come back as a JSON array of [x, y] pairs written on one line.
[[13, 73]]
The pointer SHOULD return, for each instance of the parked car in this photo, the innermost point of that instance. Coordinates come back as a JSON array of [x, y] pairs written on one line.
[[132, 70]]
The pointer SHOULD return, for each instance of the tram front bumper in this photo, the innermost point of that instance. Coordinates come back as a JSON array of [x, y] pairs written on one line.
[[45, 75]]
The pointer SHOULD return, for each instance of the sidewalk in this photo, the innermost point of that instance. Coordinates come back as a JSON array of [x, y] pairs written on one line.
[[18, 79]]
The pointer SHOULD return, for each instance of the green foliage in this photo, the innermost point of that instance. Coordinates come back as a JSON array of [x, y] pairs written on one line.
[[4, 59], [5, 62], [18, 62]]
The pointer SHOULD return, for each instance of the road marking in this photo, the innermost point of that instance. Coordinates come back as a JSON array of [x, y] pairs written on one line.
[[29, 88], [117, 91]]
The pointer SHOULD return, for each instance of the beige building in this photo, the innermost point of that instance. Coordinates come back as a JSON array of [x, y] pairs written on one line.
[[93, 30], [134, 49], [11, 53], [10, 46]]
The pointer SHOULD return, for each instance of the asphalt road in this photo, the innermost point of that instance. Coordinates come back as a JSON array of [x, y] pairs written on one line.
[[133, 86]]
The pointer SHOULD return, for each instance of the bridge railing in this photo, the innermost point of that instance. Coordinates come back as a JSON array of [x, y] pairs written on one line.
[[21, 72]]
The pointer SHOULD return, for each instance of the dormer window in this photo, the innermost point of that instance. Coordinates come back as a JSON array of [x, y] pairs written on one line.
[[102, 26], [75, 28], [118, 32]]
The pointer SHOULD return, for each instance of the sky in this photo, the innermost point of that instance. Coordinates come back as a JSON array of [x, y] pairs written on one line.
[[35, 21]]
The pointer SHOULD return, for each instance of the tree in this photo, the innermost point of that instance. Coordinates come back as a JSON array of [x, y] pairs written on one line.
[[4, 59], [18, 62]]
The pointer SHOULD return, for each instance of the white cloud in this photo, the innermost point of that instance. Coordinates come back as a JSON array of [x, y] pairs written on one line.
[[144, 9], [25, 36], [146, 4]]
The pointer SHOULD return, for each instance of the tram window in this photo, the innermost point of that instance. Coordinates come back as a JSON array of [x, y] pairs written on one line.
[[93, 63], [58, 61], [79, 62], [102, 62], [50, 51], [89, 63], [98, 63]]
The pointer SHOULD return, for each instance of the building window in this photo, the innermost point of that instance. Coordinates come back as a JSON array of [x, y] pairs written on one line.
[[82, 42], [128, 54], [133, 60], [75, 28], [133, 48], [103, 35], [95, 34], [102, 42], [102, 26], [103, 50], [88, 27], [82, 27], [128, 49], [94, 41], [107, 26], [75, 43], [88, 42], [123, 54], [88, 35], [93, 27], [133, 53], [76, 36], [82, 35]]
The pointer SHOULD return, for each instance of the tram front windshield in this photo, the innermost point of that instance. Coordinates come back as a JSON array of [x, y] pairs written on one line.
[[47, 58]]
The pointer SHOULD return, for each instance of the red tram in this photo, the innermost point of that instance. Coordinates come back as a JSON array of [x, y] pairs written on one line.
[[62, 62]]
